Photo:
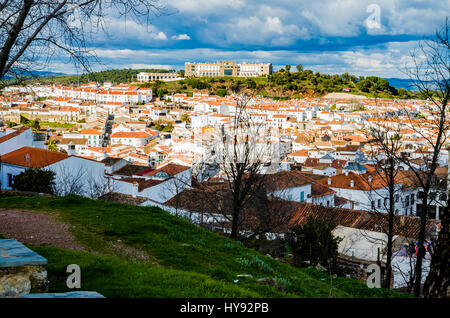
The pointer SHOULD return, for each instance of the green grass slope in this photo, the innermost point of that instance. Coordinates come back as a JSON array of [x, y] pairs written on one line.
[[181, 259]]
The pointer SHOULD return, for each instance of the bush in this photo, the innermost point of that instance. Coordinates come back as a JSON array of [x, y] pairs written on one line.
[[35, 180], [221, 92], [314, 242]]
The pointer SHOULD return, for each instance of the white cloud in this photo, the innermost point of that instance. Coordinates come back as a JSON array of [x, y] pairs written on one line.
[[159, 36], [384, 61], [205, 6], [152, 66], [255, 30], [181, 37]]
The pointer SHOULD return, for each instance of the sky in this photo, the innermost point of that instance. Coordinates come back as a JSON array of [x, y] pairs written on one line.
[[374, 37]]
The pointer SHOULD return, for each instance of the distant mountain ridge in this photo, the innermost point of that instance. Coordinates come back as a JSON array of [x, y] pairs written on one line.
[[401, 83], [39, 74]]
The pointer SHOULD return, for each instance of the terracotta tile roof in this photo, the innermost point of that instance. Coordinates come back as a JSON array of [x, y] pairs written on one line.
[[131, 170], [110, 161], [33, 157], [311, 162], [284, 180], [361, 182], [13, 134], [143, 184], [130, 134], [171, 169], [407, 226], [90, 132]]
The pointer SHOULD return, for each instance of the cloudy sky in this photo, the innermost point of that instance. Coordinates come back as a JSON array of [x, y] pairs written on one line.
[[373, 37]]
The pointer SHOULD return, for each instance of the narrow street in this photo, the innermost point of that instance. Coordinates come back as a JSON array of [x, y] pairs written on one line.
[[108, 128]]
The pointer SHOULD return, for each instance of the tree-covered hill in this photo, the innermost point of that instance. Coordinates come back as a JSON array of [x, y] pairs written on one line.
[[114, 76], [283, 84]]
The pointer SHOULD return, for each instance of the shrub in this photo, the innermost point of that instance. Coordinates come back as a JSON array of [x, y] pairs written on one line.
[[314, 242], [35, 180]]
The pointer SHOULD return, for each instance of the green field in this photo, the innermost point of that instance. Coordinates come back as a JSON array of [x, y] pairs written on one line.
[[56, 124], [182, 260]]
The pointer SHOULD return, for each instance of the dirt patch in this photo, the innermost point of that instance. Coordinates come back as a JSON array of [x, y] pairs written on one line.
[[36, 228], [132, 254]]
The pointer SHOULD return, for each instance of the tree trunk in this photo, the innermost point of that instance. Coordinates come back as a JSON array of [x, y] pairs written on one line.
[[437, 284], [235, 221], [390, 234], [421, 248]]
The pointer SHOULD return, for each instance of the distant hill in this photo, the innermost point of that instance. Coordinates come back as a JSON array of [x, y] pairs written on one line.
[[401, 83], [115, 76], [39, 74], [283, 84]]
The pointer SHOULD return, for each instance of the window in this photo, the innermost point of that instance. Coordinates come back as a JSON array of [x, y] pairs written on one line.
[[407, 200], [373, 205], [396, 198], [302, 196], [10, 180], [379, 203], [290, 197], [412, 198]]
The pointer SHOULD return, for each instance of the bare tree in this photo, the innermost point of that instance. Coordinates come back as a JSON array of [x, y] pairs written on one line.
[[97, 188], [385, 146], [243, 149], [437, 284], [430, 74], [32, 32], [70, 181], [81, 181]]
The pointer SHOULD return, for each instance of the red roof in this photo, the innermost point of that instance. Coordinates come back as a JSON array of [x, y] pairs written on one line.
[[33, 157], [13, 134]]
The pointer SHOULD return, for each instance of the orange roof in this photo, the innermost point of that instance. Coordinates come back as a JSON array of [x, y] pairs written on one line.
[[13, 134], [90, 132], [33, 157], [130, 134]]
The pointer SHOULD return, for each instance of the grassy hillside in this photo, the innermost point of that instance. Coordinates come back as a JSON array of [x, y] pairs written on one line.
[[145, 252]]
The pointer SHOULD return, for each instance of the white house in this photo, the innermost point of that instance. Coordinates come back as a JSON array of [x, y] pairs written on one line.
[[12, 139], [72, 174]]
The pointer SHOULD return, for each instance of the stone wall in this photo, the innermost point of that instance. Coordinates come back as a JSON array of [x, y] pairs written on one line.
[[22, 280], [22, 271]]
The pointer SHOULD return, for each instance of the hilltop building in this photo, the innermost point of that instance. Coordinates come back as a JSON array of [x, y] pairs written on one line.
[[148, 77], [227, 68]]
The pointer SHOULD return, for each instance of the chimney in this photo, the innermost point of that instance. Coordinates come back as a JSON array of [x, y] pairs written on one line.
[[329, 181], [346, 172], [135, 189], [71, 149], [352, 183], [370, 179]]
